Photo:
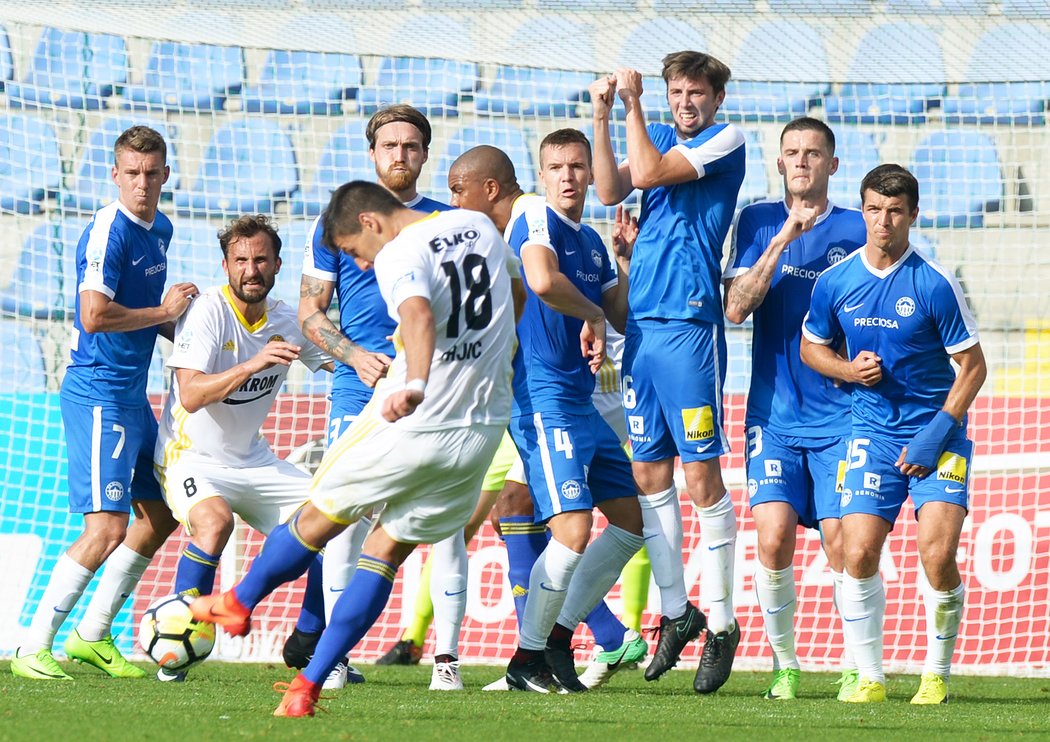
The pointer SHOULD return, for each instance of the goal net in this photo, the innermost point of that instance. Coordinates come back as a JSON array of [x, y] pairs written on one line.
[[263, 105]]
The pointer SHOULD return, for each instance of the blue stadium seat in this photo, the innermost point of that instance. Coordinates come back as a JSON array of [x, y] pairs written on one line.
[[93, 186], [7, 64], [434, 86], [960, 178], [506, 137], [749, 98], [249, 165], [755, 186], [752, 100], [30, 167], [527, 91], [23, 370], [72, 70], [293, 242], [857, 155], [187, 77], [902, 103], [594, 209], [304, 83], [997, 56], [344, 158], [44, 285], [194, 254]]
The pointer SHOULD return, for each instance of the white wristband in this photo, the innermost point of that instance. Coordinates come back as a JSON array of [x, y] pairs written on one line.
[[416, 385]]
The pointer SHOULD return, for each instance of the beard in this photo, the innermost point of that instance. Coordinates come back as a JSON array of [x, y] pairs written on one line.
[[253, 293], [398, 180]]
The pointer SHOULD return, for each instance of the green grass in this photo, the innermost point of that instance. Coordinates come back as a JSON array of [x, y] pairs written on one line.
[[235, 702]]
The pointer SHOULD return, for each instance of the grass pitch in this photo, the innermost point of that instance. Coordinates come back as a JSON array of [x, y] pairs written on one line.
[[234, 702]]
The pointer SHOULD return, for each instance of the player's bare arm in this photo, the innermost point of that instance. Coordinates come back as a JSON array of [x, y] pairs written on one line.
[[648, 168], [99, 313], [418, 335], [973, 370], [611, 182], [746, 292], [315, 297], [198, 389], [556, 291], [517, 292], [865, 369]]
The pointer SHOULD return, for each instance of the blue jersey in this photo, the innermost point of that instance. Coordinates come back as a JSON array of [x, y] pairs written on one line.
[[913, 316], [786, 395], [677, 258], [550, 372], [362, 312], [125, 258]]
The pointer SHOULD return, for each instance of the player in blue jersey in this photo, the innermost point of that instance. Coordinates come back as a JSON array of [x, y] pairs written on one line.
[[674, 356], [110, 428], [399, 144], [797, 420], [904, 320], [573, 459]]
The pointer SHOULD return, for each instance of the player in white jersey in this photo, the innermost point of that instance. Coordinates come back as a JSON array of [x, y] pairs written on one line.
[[422, 445], [233, 350]]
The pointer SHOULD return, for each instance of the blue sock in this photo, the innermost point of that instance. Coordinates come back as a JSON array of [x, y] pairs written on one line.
[[196, 570], [283, 558], [607, 628], [311, 617], [525, 541], [356, 610]]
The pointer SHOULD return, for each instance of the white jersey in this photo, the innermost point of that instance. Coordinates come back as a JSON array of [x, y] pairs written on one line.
[[463, 267], [212, 337]]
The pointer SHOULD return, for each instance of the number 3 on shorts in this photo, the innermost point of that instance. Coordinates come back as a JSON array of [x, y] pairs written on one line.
[[562, 442]]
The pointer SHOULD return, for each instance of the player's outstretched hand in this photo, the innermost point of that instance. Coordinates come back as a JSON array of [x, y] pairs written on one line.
[[178, 299], [275, 353], [625, 232], [370, 367], [867, 368], [628, 83], [910, 470], [401, 404], [592, 342], [602, 93]]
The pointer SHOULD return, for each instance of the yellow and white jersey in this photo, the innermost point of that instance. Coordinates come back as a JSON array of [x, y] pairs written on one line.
[[463, 267], [212, 337]]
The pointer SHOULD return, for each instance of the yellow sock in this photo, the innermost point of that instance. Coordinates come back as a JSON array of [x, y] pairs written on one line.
[[635, 589], [417, 630]]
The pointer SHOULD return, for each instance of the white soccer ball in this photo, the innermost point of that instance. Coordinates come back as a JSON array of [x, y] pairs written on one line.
[[172, 637]]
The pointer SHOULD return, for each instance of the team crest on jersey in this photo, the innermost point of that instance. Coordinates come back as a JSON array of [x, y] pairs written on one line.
[[836, 254], [570, 489], [905, 306], [699, 423], [114, 491], [276, 339], [229, 345], [163, 247], [596, 257], [952, 467]]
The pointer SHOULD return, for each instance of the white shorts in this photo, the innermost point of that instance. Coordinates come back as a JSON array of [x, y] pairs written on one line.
[[264, 496], [428, 482]]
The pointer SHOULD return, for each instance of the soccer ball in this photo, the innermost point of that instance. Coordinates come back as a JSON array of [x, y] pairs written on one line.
[[172, 637]]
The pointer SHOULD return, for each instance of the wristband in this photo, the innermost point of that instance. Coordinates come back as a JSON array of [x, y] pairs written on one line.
[[416, 385], [928, 444]]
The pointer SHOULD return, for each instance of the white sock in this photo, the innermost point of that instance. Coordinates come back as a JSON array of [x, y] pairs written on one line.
[[863, 611], [448, 592], [548, 587], [777, 598], [848, 661], [944, 611], [597, 572], [340, 561], [123, 571], [717, 558], [662, 528], [68, 582]]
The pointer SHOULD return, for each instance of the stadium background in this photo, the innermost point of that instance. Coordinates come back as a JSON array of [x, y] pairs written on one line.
[[264, 103]]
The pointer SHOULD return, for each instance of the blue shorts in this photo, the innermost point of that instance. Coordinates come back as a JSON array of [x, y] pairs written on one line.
[[874, 485], [806, 473], [572, 462], [343, 408], [110, 453], [673, 372]]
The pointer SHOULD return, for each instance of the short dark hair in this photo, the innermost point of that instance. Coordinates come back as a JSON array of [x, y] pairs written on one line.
[[564, 137], [808, 123], [348, 202], [246, 227], [141, 139], [398, 113], [891, 180], [695, 65]]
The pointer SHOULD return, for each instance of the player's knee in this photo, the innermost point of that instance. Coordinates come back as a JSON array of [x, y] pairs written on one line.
[[861, 560], [938, 559], [775, 548], [211, 526], [513, 501], [105, 534]]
